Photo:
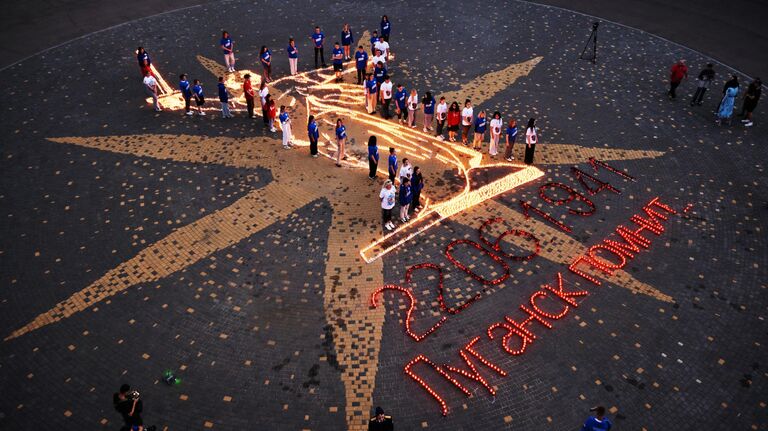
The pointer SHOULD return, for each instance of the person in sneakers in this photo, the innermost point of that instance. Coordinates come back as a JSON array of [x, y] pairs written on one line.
[[417, 185], [186, 93], [224, 99], [406, 197], [150, 87], [750, 101], [313, 133], [386, 97], [387, 198], [702, 84], [496, 123], [401, 104], [442, 115], [271, 113], [677, 73], [229, 51], [413, 105], [197, 89], [373, 158], [511, 136], [285, 124], [428, 105], [341, 140]]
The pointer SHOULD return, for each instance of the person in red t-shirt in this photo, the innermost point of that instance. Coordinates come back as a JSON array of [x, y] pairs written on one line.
[[271, 113], [249, 94], [454, 118], [676, 75]]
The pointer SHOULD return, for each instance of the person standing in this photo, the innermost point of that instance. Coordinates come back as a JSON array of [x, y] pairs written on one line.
[[271, 113], [374, 38], [379, 72], [341, 140], [750, 101], [263, 94], [265, 55], [224, 99], [387, 199], [145, 63], [467, 115], [496, 123], [417, 184], [313, 133], [392, 164], [702, 84], [725, 111], [371, 92], [361, 62], [428, 104], [293, 56], [373, 158], [150, 87], [531, 138], [413, 105], [442, 115], [285, 124], [317, 38], [186, 93], [401, 104], [249, 94], [481, 123], [383, 46], [197, 89], [406, 197], [454, 119], [346, 40], [130, 406], [386, 28], [229, 51], [598, 422], [677, 73], [337, 58], [379, 57], [386, 97], [511, 136], [406, 171]]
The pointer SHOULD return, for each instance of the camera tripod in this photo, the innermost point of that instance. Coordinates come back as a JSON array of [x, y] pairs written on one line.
[[593, 39]]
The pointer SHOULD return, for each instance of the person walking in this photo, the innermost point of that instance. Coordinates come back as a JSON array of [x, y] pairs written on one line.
[[413, 105], [379, 72], [510, 143], [313, 133], [386, 28], [265, 55], [293, 56], [481, 123], [386, 97], [197, 89], [379, 57], [598, 422], [285, 125], [454, 119], [361, 62], [317, 39], [145, 63], [442, 115], [263, 94], [271, 113], [725, 111], [150, 87], [417, 184], [383, 47], [224, 99], [496, 123], [387, 199], [702, 84], [341, 140], [401, 104], [428, 105], [406, 197], [337, 59], [229, 51], [392, 164], [186, 93], [531, 138], [371, 92], [677, 73], [346, 40], [374, 38], [373, 158], [750, 101], [467, 115], [249, 94]]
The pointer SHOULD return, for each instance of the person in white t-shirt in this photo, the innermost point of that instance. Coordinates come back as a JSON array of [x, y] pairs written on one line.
[[383, 46], [387, 198], [442, 113], [405, 171], [263, 93], [385, 93], [496, 124], [413, 104], [150, 87], [379, 58], [467, 116], [531, 139]]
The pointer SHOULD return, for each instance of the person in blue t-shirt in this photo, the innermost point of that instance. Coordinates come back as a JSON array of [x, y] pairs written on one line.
[[373, 158], [392, 162], [371, 93], [428, 103], [186, 92], [379, 72], [386, 28], [317, 40], [401, 104], [341, 140], [145, 63], [229, 51], [224, 99], [346, 40], [406, 196], [265, 55], [197, 90], [374, 38], [597, 422], [511, 137], [338, 61], [313, 133], [293, 56], [361, 62], [480, 125]]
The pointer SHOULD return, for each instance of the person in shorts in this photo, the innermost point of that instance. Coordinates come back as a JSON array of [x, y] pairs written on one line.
[[338, 61], [197, 90]]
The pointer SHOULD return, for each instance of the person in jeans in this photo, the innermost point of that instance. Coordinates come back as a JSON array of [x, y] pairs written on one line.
[[386, 28], [313, 133], [387, 199], [428, 105], [266, 63], [401, 104], [676, 75], [511, 136], [293, 56], [249, 94], [317, 39], [186, 93], [229, 51], [150, 87], [361, 62], [224, 98], [373, 158], [702, 84]]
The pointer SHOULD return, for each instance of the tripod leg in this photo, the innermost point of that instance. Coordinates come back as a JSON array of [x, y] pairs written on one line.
[[586, 45], [594, 48]]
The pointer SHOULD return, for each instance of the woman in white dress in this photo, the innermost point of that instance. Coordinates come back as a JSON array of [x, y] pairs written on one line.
[[496, 123]]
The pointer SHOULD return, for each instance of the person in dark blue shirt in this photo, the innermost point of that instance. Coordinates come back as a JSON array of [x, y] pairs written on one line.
[[392, 162], [373, 158], [374, 39], [386, 28], [341, 140], [229, 51], [293, 56], [480, 125], [371, 93], [511, 136], [317, 39], [597, 422], [417, 185], [428, 103], [313, 133], [186, 92], [401, 103], [361, 62], [145, 62], [406, 196], [379, 73], [338, 61], [346, 40], [197, 90], [224, 99], [265, 55]]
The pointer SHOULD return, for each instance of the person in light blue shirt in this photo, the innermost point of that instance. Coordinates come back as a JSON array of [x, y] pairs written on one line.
[[317, 40], [361, 62]]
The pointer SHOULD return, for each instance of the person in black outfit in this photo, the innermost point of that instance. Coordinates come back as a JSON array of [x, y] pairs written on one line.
[[380, 422], [705, 78], [129, 407], [417, 184]]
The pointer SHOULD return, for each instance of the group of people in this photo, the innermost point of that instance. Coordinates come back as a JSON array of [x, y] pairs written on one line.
[[725, 109]]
